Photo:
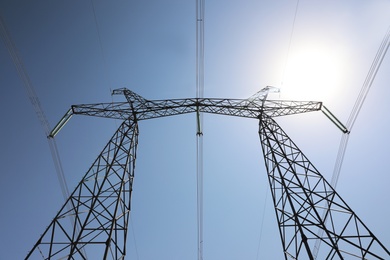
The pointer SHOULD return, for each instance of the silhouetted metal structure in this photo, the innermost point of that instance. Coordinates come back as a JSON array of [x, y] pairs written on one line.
[[304, 201]]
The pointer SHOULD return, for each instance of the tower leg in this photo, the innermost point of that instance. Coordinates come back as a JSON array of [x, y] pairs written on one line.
[[300, 195], [95, 217]]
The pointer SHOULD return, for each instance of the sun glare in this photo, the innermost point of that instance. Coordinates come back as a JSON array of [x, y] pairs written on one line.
[[313, 73]]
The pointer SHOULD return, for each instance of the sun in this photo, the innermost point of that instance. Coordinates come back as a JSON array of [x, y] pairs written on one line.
[[312, 72]]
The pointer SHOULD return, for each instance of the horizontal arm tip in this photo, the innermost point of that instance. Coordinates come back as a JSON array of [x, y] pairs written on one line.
[[61, 123]]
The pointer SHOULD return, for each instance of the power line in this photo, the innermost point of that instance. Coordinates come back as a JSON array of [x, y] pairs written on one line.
[[283, 75], [11, 47], [135, 242], [262, 223], [380, 55], [200, 8], [106, 71], [377, 62], [290, 41]]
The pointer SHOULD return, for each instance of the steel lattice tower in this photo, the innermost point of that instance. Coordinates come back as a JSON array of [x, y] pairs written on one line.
[[96, 215]]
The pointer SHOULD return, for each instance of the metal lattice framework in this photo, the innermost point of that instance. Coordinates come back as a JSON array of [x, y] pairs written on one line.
[[96, 215], [301, 195]]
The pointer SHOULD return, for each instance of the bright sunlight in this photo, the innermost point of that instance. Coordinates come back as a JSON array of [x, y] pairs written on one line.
[[312, 72]]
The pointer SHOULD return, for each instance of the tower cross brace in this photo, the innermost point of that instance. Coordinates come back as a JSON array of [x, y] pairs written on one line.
[[96, 215]]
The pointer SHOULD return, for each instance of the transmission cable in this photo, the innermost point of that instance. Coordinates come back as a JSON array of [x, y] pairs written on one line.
[[11, 47], [135, 242], [36, 104], [105, 69], [283, 76], [262, 223], [200, 9], [108, 79], [376, 64], [369, 79], [289, 42]]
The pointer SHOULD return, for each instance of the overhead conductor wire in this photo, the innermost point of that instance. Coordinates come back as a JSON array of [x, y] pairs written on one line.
[[290, 41], [377, 62], [35, 103], [11, 47], [283, 75], [380, 55], [200, 8], [108, 79]]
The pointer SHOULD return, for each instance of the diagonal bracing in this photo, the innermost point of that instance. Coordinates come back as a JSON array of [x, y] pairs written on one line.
[[299, 194], [100, 205]]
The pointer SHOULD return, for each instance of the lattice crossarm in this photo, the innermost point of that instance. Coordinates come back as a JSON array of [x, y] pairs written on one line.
[[115, 110], [275, 108], [251, 107], [170, 107], [95, 217], [164, 108]]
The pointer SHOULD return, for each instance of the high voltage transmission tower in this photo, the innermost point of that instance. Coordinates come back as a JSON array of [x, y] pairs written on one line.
[[304, 201]]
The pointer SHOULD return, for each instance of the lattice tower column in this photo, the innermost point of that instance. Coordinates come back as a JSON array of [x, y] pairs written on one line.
[[300, 195], [99, 212]]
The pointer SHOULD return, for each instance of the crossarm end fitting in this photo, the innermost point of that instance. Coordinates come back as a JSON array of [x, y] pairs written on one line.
[[61, 123], [334, 120]]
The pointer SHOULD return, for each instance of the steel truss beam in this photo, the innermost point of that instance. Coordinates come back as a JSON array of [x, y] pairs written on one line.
[[142, 109], [96, 215], [301, 195]]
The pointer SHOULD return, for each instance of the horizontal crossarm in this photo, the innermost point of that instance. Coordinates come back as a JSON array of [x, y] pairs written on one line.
[[117, 110], [139, 108], [162, 108]]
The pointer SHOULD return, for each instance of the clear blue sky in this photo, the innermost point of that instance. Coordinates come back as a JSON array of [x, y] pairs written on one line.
[[149, 47]]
